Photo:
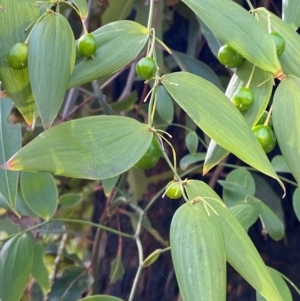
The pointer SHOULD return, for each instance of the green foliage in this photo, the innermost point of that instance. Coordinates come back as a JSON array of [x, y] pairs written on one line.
[[76, 134]]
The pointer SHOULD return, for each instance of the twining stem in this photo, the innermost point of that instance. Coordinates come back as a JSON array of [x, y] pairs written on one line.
[[250, 4], [150, 16]]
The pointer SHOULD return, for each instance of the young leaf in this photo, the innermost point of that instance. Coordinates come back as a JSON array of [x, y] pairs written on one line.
[[101, 298], [16, 259], [132, 36], [17, 16], [164, 105], [262, 95], [291, 13], [97, 147], [226, 18], [10, 142], [272, 223], [189, 159], [238, 245], [70, 199], [109, 184], [218, 118], [290, 58], [117, 270], [198, 254], [286, 122], [50, 71], [192, 141], [40, 193], [279, 164], [39, 270]]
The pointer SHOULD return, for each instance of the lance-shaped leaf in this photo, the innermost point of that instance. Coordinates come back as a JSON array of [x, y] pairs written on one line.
[[291, 57], [40, 193], [10, 142], [286, 122], [96, 147], [211, 110], [230, 23], [198, 253], [16, 259], [51, 59], [17, 15], [262, 94], [82, 7], [118, 43], [291, 13], [241, 254]]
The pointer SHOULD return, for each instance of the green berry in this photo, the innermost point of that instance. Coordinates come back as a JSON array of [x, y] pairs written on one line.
[[17, 56], [87, 45], [279, 42], [243, 99], [173, 190], [229, 57], [146, 68], [263, 119], [151, 156], [265, 137]]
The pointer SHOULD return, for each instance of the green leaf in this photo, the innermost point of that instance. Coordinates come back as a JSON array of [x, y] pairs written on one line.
[[296, 202], [286, 122], [17, 16], [197, 248], [16, 259], [8, 227], [82, 8], [262, 95], [10, 142], [241, 254], [279, 164], [218, 118], [73, 282], [117, 10], [101, 298], [50, 71], [246, 213], [137, 181], [109, 184], [226, 18], [192, 142], [70, 199], [97, 147], [164, 105], [291, 13], [130, 35], [190, 64], [272, 223], [290, 58], [239, 185], [281, 286], [116, 269], [40, 193], [189, 159], [39, 270]]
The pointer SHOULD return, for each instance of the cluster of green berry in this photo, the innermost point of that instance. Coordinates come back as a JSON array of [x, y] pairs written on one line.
[[243, 98], [18, 54]]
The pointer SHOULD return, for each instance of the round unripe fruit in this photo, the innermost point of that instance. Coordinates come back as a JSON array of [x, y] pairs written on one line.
[[229, 57], [263, 119], [243, 99], [265, 137], [173, 190], [146, 68], [151, 156], [17, 56], [279, 42], [87, 45]]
